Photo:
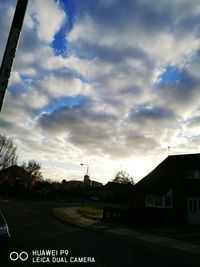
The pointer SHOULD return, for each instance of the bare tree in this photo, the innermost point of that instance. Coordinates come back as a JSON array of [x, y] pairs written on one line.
[[8, 149], [33, 173], [122, 177]]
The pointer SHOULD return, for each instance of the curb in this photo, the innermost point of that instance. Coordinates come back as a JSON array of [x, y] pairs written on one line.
[[181, 254]]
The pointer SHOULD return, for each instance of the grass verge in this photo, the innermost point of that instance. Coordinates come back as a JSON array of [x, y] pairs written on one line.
[[94, 213], [3, 201]]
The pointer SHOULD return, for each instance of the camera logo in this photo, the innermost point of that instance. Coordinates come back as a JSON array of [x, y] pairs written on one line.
[[14, 256]]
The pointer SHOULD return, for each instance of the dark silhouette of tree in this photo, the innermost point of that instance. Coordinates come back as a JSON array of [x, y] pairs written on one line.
[[122, 177], [8, 149], [33, 173], [64, 182]]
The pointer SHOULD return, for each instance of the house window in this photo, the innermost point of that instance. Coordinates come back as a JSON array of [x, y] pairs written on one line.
[[193, 174], [194, 205], [149, 200], [168, 199], [158, 201], [168, 202], [154, 201]]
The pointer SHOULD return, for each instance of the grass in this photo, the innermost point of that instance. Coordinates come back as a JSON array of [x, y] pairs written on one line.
[[94, 213], [2, 201]]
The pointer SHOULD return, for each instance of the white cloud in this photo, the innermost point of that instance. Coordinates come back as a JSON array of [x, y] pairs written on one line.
[[48, 16], [15, 78], [117, 54]]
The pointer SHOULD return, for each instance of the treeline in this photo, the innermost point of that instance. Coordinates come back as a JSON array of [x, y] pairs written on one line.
[[14, 176], [25, 180]]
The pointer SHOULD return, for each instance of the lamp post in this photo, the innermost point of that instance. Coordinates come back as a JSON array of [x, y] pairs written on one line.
[[87, 172], [168, 150], [86, 180]]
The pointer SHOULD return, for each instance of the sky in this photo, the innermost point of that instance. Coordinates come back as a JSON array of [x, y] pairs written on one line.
[[108, 83]]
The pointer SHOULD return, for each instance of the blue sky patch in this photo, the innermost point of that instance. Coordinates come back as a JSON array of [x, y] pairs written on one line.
[[69, 102], [180, 81], [59, 43], [171, 75]]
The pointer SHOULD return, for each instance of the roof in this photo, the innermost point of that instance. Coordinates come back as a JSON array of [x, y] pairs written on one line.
[[168, 173]]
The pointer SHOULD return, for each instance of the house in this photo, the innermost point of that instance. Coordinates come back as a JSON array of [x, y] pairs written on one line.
[[91, 183], [117, 192], [96, 184], [170, 194]]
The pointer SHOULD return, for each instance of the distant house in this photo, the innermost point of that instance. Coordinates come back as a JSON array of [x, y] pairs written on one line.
[[170, 193], [96, 184], [91, 183]]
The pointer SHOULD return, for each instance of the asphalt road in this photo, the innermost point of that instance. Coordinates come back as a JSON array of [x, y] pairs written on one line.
[[33, 227]]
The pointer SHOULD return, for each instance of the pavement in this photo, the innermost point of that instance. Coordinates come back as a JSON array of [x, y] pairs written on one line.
[[152, 242]]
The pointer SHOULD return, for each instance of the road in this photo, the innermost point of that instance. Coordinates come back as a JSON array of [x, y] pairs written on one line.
[[33, 227]]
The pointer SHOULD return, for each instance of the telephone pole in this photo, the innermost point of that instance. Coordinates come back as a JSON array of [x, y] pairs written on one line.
[[11, 46]]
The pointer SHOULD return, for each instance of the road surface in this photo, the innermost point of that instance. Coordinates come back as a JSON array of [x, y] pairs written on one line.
[[33, 228]]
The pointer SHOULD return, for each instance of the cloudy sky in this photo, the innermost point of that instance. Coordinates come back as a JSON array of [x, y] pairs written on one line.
[[108, 83]]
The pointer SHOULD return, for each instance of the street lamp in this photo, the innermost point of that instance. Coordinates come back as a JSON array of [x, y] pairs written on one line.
[[169, 150], [82, 164]]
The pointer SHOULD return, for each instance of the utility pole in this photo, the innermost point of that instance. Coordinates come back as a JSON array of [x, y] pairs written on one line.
[[11, 46]]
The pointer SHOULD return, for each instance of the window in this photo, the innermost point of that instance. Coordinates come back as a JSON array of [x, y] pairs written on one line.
[[158, 201], [149, 200], [191, 205], [193, 174], [168, 199], [168, 202], [194, 205], [154, 201]]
